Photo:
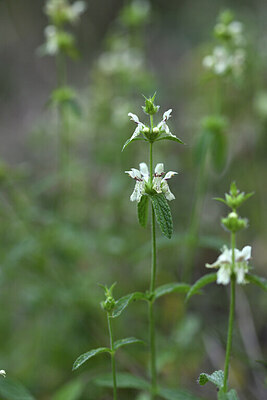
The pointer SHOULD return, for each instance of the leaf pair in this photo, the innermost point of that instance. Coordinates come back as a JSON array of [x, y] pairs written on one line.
[[162, 212]]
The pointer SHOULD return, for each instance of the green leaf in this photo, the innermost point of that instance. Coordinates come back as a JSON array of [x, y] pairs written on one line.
[[221, 200], [205, 280], [123, 302], [124, 342], [132, 140], [124, 380], [171, 288], [163, 214], [172, 138], [12, 390], [231, 395], [257, 280], [216, 378], [176, 394], [86, 356], [142, 208], [71, 391], [219, 151]]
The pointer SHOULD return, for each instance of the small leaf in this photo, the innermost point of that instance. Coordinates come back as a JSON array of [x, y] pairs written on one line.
[[173, 138], [219, 151], [221, 200], [71, 391], [176, 394], [124, 380], [12, 390], [123, 302], [124, 342], [205, 280], [163, 214], [142, 208], [171, 288], [132, 140], [86, 356], [216, 378], [257, 280]]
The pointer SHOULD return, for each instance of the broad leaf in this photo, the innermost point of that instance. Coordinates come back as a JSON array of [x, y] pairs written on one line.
[[124, 342], [163, 214], [171, 288], [257, 280], [219, 151], [86, 356], [124, 380], [12, 390], [205, 280], [124, 301], [172, 138], [176, 394], [132, 140], [216, 378], [142, 209], [71, 391]]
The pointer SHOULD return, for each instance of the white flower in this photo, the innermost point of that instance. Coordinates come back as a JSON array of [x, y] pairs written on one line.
[[159, 183], [51, 40], [3, 372], [224, 263], [162, 126], [140, 126], [63, 10]]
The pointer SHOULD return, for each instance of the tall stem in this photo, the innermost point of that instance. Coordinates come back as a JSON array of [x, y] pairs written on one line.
[[231, 319], [113, 363]]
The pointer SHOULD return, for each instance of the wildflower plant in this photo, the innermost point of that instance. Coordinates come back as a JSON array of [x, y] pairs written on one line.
[[233, 267]]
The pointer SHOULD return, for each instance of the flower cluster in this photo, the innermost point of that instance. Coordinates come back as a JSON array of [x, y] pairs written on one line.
[[226, 268], [158, 183], [228, 57], [60, 11]]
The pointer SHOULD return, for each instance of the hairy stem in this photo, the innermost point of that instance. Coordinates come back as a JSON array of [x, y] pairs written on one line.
[[231, 319], [113, 363]]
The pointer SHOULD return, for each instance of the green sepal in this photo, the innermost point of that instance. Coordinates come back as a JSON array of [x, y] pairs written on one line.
[[132, 140], [205, 280], [172, 138], [142, 209], [217, 378], [124, 301], [176, 394], [171, 288], [163, 213], [231, 395], [124, 380], [124, 342], [86, 356], [257, 280]]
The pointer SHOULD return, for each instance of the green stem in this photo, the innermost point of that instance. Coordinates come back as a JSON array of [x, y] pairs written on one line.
[[113, 363], [231, 319]]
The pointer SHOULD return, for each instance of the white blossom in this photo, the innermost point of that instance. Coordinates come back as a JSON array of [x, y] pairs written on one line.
[[159, 181], [162, 126], [3, 373], [225, 265], [51, 40]]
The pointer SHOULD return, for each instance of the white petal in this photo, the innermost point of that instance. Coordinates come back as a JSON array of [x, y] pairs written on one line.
[[245, 253], [223, 275], [240, 275], [138, 191], [166, 190], [134, 173], [159, 169], [3, 373], [157, 184], [134, 118], [208, 62], [144, 170], [167, 115], [170, 174]]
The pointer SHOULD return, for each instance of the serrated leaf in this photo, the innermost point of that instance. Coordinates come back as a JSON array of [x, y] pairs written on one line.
[[172, 138], [219, 151], [171, 288], [216, 378], [71, 391], [132, 140], [124, 380], [142, 209], [86, 356], [231, 395], [205, 280], [12, 390], [163, 214], [124, 342], [257, 280], [176, 394], [124, 301]]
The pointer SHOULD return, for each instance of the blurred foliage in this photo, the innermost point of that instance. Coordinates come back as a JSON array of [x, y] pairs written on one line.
[[59, 241]]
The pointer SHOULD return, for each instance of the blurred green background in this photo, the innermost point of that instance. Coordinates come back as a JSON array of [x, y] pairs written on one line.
[[59, 240]]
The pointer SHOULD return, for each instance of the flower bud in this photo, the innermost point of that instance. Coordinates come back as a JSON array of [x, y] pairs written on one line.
[[233, 222], [150, 108]]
